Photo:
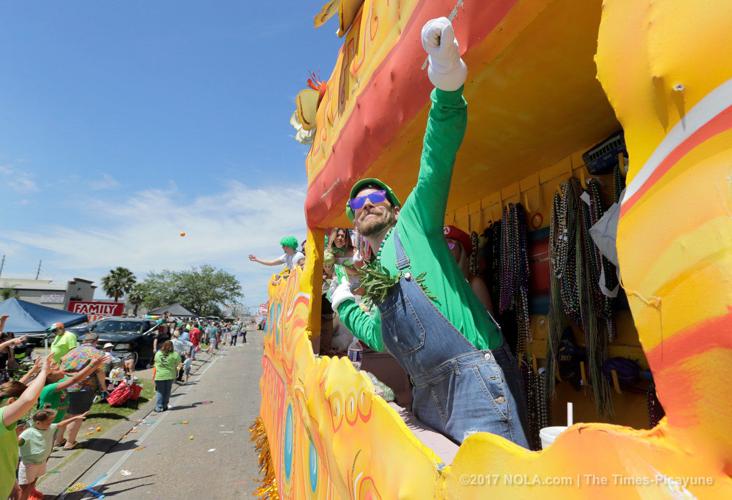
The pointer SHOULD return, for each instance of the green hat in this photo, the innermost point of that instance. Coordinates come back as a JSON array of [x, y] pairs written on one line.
[[390, 195], [289, 241]]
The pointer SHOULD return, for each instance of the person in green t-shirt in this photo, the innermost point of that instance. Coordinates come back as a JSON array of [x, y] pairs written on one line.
[[16, 399], [63, 341], [167, 363], [54, 395], [465, 378]]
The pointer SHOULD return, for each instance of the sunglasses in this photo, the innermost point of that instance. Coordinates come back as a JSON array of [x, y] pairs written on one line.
[[359, 201]]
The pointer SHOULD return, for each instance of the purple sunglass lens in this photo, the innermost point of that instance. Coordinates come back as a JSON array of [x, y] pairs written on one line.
[[359, 201]]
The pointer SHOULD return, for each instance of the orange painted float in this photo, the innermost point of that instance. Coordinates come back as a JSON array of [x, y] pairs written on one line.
[[547, 80]]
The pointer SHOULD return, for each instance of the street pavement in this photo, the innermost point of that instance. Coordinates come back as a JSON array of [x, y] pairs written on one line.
[[198, 449]]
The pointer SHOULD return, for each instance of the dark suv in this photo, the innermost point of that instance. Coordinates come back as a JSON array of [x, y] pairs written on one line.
[[131, 337]]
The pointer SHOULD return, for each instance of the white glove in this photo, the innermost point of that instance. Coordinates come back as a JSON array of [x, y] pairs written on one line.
[[339, 291], [447, 71]]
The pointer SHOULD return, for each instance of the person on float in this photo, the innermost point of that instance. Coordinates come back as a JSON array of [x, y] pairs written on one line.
[[461, 248], [465, 378], [290, 258]]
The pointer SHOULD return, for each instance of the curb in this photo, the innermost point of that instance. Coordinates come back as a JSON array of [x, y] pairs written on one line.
[[78, 463]]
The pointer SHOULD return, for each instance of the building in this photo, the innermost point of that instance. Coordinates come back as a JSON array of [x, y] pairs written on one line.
[[48, 292]]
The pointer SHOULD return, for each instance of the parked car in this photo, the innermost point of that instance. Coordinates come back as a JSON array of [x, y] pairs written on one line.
[[131, 337]]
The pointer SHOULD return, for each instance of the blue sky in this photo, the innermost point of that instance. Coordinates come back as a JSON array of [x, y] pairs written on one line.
[[123, 123]]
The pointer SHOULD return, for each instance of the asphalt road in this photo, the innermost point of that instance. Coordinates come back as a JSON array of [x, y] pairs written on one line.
[[198, 449]]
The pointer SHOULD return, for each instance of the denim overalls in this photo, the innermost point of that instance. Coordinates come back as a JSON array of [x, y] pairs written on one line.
[[458, 389]]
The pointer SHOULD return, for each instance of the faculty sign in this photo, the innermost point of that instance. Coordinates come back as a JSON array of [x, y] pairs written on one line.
[[97, 310]]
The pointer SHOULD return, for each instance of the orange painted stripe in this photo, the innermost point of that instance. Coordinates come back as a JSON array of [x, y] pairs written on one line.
[[710, 334], [717, 125]]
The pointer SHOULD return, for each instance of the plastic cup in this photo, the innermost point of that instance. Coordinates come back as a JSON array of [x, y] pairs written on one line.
[[549, 434]]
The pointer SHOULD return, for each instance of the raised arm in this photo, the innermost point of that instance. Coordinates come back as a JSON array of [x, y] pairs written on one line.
[[445, 125], [67, 421], [12, 343], [15, 410], [274, 262]]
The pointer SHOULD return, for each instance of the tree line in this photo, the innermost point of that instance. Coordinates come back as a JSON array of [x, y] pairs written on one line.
[[205, 290]]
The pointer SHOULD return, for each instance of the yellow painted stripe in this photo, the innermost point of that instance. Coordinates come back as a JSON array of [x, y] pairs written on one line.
[[697, 189], [699, 294]]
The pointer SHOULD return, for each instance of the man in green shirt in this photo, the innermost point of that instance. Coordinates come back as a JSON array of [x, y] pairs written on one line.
[[465, 379], [63, 341]]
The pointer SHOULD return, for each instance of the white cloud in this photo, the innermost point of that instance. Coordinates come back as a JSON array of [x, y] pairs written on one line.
[[18, 180], [105, 182], [143, 233]]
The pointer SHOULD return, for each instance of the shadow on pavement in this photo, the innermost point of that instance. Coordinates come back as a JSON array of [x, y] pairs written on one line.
[[185, 407], [108, 416], [105, 445], [102, 490]]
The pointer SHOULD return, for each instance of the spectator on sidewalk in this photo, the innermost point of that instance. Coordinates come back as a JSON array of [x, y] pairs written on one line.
[[81, 394], [36, 444], [166, 365], [63, 341], [187, 368], [212, 333], [182, 348], [195, 339], [233, 334], [8, 344], [128, 363]]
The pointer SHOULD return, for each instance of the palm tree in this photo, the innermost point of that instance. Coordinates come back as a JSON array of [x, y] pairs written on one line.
[[118, 282], [136, 296], [8, 293]]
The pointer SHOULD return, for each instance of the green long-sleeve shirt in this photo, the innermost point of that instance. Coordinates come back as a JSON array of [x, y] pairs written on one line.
[[420, 227]]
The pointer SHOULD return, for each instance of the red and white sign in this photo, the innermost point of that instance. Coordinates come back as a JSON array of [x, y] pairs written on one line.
[[96, 309]]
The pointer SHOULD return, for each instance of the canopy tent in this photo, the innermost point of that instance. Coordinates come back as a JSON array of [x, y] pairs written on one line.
[[174, 310], [27, 317]]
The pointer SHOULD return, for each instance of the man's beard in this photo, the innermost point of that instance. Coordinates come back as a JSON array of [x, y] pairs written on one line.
[[374, 227]]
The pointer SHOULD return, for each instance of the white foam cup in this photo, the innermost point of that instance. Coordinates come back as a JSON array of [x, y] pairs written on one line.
[[549, 434]]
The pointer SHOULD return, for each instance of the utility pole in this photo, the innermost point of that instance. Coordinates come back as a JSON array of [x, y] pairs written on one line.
[[2, 265], [38, 272]]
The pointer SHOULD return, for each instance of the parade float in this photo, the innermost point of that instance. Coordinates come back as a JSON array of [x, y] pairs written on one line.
[[569, 102]]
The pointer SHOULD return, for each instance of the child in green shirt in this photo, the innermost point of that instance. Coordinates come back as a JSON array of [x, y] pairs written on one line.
[[35, 445]]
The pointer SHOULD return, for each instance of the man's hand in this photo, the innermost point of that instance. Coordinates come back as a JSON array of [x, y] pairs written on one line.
[[36, 365], [102, 359], [340, 288], [20, 340], [252, 257], [447, 71]]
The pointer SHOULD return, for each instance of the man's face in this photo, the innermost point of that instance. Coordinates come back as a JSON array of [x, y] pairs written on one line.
[[288, 250], [372, 218], [58, 331]]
